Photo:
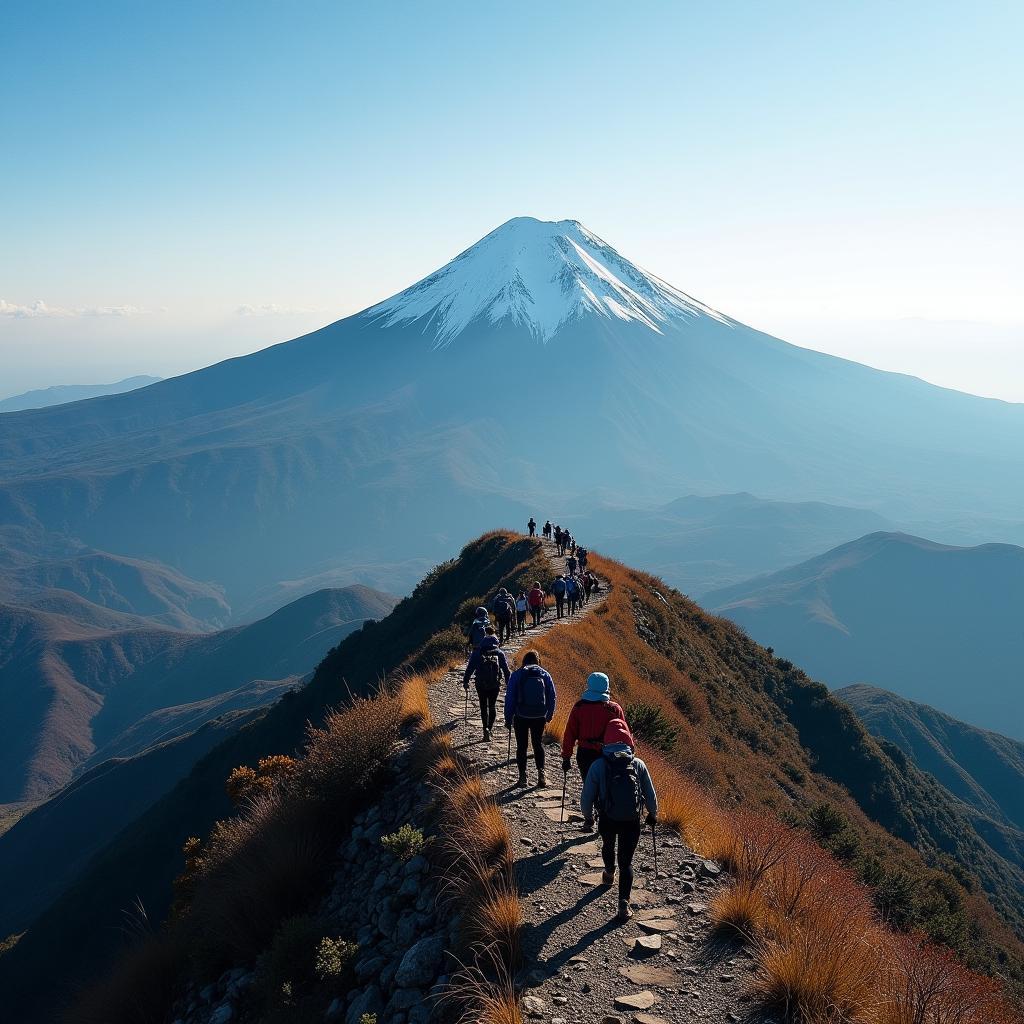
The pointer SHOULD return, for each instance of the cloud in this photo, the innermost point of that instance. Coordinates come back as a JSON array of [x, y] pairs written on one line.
[[273, 309], [41, 309]]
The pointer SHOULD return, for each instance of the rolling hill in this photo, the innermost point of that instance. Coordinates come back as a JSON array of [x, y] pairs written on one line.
[[80, 683], [936, 624], [376, 443], [59, 394]]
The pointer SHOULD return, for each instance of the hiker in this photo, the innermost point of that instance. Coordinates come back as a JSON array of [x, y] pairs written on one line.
[[532, 526], [570, 564], [558, 588], [489, 666], [522, 606], [588, 586], [581, 554], [558, 539], [573, 593], [477, 629], [587, 722], [529, 706], [547, 530], [535, 599], [504, 609], [619, 786]]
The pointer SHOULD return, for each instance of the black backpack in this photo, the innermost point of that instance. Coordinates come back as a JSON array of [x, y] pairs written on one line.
[[531, 700], [622, 802], [503, 609], [488, 674], [558, 587]]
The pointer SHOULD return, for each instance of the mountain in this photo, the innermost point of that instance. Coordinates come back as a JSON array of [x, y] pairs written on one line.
[[933, 623], [699, 543], [537, 366], [60, 394], [752, 731], [980, 767], [80, 683]]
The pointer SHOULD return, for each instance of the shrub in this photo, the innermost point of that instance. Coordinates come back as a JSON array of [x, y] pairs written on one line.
[[404, 844], [650, 723], [333, 959]]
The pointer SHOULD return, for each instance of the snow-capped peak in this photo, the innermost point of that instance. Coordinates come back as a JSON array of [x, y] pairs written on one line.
[[542, 275]]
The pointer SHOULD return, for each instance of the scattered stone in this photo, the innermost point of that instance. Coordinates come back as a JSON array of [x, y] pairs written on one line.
[[648, 1018], [658, 926], [643, 974], [710, 868], [526, 841], [655, 913], [559, 1000], [222, 1014], [592, 879], [637, 1001], [533, 1006], [727, 977], [420, 963], [696, 908], [578, 959], [645, 945], [595, 862], [555, 814]]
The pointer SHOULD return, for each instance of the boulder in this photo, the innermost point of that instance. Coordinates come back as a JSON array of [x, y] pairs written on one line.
[[421, 963]]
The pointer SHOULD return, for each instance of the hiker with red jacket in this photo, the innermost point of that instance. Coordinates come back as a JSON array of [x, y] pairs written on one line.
[[535, 599], [489, 666], [529, 706], [618, 786], [587, 722]]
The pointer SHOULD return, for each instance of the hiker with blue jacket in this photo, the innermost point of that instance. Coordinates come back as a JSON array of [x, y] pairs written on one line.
[[529, 706], [488, 666], [477, 629], [559, 589], [619, 787]]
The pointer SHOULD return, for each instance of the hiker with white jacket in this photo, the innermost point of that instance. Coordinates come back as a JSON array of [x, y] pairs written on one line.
[[619, 787]]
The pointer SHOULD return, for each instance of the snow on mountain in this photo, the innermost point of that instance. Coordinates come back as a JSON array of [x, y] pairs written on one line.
[[541, 275]]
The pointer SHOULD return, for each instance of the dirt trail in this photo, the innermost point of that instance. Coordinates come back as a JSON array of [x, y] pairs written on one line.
[[579, 964]]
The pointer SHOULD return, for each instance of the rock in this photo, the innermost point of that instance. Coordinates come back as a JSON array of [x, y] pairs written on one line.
[[367, 1001], [727, 977], [648, 1018], [416, 866], [637, 1001], [420, 963], [207, 993], [559, 1020], [610, 1019], [594, 878], [334, 1009], [527, 841], [421, 1013], [646, 945], [578, 959], [710, 868], [533, 1006], [696, 908], [403, 999], [644, 974], [658, 926]]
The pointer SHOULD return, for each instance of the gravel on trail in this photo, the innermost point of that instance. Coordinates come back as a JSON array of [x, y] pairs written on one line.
[[667, 963]]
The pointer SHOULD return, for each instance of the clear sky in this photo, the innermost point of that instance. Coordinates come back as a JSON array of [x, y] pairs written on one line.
[[184, 181]]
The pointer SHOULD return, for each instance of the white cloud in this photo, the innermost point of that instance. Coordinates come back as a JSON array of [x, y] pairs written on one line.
[[41, 309], [273, 309]]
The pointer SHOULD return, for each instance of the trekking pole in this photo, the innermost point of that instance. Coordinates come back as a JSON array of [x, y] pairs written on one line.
[[465, 714], [565, 782], [509, 760], [654, 839]]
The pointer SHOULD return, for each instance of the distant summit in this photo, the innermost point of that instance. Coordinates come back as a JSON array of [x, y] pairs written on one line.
[[59, 394], [538, 274]]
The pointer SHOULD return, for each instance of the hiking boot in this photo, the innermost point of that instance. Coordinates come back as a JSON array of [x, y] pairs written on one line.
[[521, 781], [487, 735], [587, 825], [624, 913], [607, 877], [542, 779]]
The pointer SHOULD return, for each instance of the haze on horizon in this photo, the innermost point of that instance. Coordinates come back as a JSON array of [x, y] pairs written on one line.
[[191, 183]]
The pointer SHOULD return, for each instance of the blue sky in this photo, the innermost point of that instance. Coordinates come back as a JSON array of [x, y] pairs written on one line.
[[182, 182]]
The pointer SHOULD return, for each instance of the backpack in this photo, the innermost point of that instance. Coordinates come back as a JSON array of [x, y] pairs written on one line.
[[622, 800], [503, 608], [531, 699], [477, 632], [572, 588], [559, 587], [488, 674]]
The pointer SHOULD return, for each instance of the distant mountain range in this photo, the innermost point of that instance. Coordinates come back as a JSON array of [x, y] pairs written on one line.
[[59, 394], [536, 367], [933, 623], [702, 543], [80, 683]]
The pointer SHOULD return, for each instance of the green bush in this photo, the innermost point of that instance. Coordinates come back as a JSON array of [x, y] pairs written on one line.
[[333, 958], [404, 844], [650, 723]]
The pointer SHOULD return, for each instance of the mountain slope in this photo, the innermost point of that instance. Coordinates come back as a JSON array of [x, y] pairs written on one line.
[[380, 440], [59, 394], [933, 623], [80, 687], [982, 768]]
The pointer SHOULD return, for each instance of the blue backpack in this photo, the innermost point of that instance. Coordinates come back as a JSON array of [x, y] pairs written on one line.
[[558, 587], [531, 696]]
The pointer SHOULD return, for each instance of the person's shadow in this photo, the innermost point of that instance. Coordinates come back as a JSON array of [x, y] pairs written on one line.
[[534, 936]]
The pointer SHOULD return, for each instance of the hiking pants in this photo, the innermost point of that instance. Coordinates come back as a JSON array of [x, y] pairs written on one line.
[[521, 621], [536, 613], [533, 530], [559, 606], [628, 835], [531, 729], [585, 757], [488, 708], [573, 605], [504, 630]]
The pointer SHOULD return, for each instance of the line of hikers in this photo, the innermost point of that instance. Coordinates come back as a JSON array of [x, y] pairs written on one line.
[[563, 539], [617, 787]]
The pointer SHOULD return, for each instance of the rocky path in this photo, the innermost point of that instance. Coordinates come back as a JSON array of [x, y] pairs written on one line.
[[580, 965]]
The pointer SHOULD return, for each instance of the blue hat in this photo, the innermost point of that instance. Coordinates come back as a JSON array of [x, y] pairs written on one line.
[[598, 687]]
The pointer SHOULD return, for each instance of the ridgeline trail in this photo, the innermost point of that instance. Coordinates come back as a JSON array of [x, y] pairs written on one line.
[[667, 964]]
